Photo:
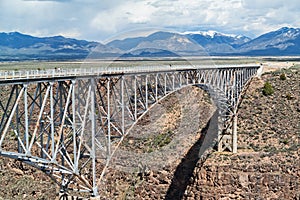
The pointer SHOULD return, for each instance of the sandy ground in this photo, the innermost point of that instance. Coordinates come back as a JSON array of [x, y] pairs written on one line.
[[272, 66]]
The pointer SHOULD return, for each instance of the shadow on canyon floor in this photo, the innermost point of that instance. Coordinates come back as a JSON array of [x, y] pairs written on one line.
[[185, 169]]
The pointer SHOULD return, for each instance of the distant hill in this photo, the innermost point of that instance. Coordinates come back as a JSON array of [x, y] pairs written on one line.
[[285, 41], [190, 43], [18, 46], [282, 42]]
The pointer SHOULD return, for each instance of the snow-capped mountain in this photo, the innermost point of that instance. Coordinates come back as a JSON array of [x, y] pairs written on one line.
[[216, 42], [17, 46], [214, 34], [187, 43], [209, 33], [285, 41]]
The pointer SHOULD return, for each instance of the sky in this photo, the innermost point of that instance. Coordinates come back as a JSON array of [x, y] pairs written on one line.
[[104, 20]]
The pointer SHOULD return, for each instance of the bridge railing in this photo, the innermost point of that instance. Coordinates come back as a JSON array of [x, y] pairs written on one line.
[[60, 72]]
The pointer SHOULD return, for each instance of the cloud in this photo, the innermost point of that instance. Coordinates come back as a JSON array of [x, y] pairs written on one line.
[[267, 15], [122, 16], [99, 20], [50, 0], [258, 4]]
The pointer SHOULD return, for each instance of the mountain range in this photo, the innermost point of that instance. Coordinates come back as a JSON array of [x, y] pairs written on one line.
[[16, 46]]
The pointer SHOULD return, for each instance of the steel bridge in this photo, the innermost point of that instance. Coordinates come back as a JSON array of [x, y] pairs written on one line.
[[64, 121]]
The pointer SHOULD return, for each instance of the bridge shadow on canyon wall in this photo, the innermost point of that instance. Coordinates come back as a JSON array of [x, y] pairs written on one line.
[[198, 153]]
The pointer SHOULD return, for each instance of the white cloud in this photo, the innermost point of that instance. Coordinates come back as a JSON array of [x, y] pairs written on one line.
[[100, 19], [123, 15], [259, 4]]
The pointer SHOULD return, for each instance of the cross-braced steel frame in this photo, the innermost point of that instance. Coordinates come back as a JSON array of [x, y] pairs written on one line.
[[69, 126]]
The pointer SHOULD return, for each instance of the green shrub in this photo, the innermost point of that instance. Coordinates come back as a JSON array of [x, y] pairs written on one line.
[[289, 96], [282, 76], [285, 141], [268, 89]]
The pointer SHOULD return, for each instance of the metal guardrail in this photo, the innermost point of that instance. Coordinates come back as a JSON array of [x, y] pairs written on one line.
[[53, 73]]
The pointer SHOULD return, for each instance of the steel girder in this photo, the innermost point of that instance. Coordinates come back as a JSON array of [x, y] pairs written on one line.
[[70, 128]]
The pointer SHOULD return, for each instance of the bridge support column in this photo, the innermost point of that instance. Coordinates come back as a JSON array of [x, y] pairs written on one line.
[[220, 149], [222, 138], [227, 140], [234, 134], [95, 198]]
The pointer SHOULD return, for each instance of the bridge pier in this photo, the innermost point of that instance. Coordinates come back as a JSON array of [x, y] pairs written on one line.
[[95, 198], [228, 141], [220, 135], [234, 133], [65, 196]]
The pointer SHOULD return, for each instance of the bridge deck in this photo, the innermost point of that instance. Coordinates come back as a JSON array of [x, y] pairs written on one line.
[[47, 74]]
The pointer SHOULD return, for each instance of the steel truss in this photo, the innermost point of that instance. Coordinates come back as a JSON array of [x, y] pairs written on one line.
[[69, 127]]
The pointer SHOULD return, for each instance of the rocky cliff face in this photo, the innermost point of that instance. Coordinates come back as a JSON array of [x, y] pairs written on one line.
[[267, 165], [246, 176]]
